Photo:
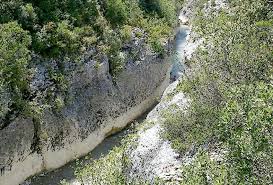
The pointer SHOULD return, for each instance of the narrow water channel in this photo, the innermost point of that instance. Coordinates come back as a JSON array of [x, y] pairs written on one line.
[[179, 55], [67, 172]]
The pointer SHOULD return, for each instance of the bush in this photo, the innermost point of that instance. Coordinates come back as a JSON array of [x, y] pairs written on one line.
[[14, 59], [163, 8], [126, 33], [230, 88], [204, 170], [159, 33], [9, 10], [78, 12], [28, 17], [107, 170], [116, 12], [246, 126], [63, 39]]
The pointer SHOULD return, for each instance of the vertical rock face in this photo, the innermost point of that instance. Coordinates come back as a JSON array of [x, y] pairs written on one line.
[[97, 105], [17, 158]]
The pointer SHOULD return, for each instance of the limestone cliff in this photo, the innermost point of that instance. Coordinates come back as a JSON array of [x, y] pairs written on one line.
[[95, 105]]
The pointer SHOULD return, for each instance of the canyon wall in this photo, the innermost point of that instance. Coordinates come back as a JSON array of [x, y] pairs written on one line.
[[97, 105]]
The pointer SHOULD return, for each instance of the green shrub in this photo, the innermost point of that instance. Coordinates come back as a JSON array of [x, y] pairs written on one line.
[[159, 32], [116, 12], [163, 8], [56, 39], [79, 12], [9, 10], [230, 88], [126, 33], [14, 59], [117, 63], [168, 11], [63, 39], [204, 170], [107, 170], [134, 11], [28, 17], [246, 127]]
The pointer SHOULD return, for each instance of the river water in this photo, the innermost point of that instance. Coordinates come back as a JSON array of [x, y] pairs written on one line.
[[179, 55], [67, 172]]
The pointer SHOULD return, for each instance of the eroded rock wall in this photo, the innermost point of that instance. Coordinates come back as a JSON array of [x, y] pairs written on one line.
[[97, 105]]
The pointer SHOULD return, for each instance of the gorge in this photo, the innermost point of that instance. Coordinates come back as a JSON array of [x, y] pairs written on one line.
[[67, 172], [115, 92]]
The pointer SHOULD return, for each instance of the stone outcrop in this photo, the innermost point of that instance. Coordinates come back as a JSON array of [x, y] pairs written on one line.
[[97, 104], [153, 157]]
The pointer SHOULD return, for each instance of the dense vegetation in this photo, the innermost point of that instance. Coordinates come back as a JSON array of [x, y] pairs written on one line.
[[230, 85], [63, 31]]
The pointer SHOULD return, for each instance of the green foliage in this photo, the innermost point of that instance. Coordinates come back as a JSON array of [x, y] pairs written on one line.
[[163, 8], [158, 31], [168, 10], [27, 16], [126, 33], [14, 59], [231, 94], [204, 170], [113, 50], [107, 170], [184, 130], [246, 126], [62, 27], [116, 12], [9, 10], [56, 39], [117, 63], [79, 12]]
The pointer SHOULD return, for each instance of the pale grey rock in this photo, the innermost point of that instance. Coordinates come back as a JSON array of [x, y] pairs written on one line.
[[96, 105], [154, 157]]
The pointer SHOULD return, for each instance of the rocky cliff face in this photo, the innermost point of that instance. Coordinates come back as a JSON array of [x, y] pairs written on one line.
[[97, 106]]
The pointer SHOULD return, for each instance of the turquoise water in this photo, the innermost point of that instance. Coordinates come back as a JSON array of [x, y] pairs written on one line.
[[179, 56]]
